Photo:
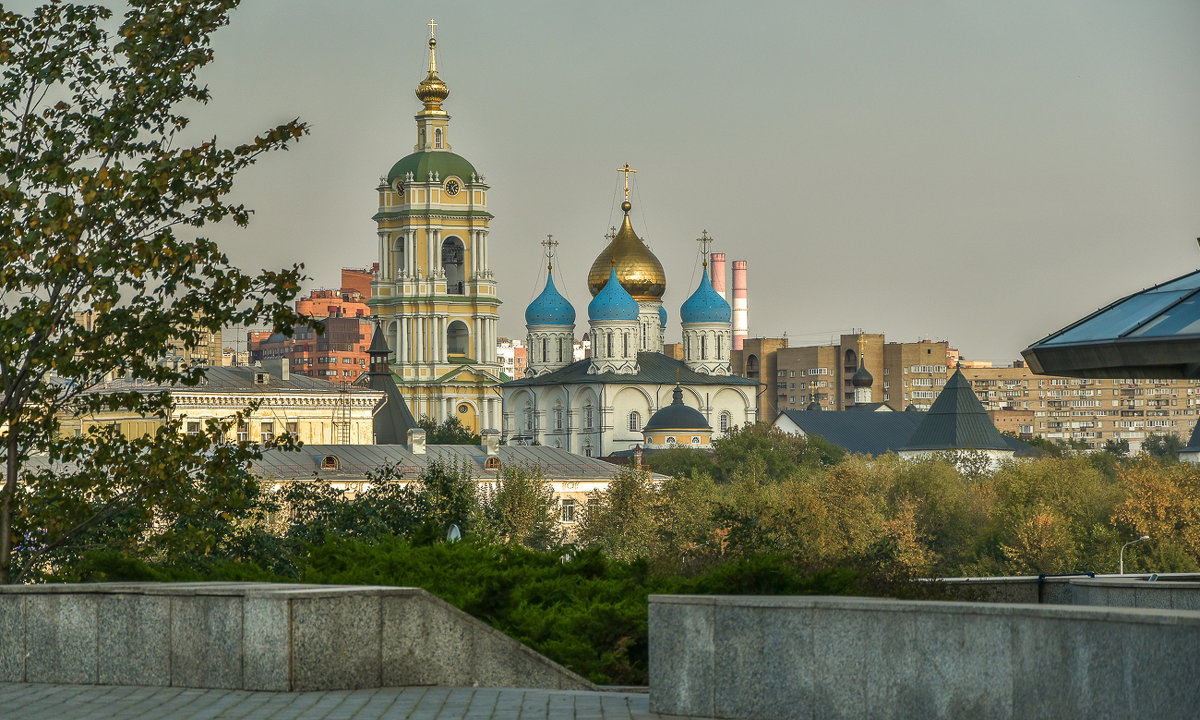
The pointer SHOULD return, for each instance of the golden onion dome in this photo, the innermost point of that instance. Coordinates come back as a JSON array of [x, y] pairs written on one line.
[[639, 271], [432, 90]]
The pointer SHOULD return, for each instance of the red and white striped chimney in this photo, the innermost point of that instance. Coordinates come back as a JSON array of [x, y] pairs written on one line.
[[718, 275], [741, 309]]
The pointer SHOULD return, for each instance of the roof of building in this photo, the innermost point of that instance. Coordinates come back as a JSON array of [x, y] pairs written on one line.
[[442, 162], [654, 369], [613, 302], [1194, 443], [1154, 333], [550, 308], [956, 421], [677, 416], [240, 380], [705, 304], [355, 461], [869, 433], [874, 433], [391, 419]]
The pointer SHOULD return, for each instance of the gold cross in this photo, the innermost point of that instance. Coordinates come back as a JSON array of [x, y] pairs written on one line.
[[612, 233], [549, 243], [432, 28], [705, 241], [626, 170]]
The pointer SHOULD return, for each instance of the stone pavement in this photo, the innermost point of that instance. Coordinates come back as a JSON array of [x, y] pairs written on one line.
[[30, 701]]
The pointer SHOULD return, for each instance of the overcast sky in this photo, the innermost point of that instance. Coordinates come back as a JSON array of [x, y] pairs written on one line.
[[982, 173]]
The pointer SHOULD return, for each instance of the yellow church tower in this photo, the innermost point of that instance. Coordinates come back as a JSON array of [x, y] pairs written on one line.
[[434, 292]]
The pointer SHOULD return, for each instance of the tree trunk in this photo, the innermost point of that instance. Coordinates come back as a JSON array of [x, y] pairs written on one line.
[[6, 502]]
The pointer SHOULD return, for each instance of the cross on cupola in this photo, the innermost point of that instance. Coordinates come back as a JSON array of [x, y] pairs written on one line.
[[705, 241], [626, 170], [550, 243]]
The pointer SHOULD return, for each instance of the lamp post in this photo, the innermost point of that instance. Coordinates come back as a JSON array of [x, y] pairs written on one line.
[[1121, 563]]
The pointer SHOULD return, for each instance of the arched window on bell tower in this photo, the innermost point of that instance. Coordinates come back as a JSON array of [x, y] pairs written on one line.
[[437, 138]]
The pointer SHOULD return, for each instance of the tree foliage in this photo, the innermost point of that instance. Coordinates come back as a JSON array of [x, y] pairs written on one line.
[[103, 195]]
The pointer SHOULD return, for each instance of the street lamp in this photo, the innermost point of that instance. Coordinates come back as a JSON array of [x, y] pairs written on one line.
[[1122, 558]]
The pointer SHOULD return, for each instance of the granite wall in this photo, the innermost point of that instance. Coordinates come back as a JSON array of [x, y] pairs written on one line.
[[257, 636], [819, 657]]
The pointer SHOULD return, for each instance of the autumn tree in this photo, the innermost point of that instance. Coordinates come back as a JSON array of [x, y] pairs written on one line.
[[522, 508], [102, 199]]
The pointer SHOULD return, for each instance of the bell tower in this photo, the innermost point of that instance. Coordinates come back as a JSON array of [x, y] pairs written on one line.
[[435, 293]]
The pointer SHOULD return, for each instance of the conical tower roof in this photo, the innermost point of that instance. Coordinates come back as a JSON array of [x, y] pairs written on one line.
[[956, 421], [391, 419]]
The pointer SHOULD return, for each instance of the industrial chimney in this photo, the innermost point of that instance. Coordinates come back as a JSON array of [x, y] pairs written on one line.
[[741, 310], [718, 274]]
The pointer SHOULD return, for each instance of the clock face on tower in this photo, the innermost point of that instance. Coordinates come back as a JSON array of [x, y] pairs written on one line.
[[451, 187]]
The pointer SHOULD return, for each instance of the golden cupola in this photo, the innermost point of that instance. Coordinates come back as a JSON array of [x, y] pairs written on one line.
[[432, 91], [638, 270]]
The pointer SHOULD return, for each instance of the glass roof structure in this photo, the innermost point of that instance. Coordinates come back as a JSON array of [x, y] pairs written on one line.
[[1151, 334]]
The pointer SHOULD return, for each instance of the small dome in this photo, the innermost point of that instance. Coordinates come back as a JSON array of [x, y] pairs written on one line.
[[550, 308], [705, 305], [613, 302], [814, 406], [677, 416], [432, 91], [639, 270], [662, 316], [861, 378]]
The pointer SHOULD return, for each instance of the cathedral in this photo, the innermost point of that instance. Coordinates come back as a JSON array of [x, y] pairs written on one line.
[[600, 405], [434, 292]]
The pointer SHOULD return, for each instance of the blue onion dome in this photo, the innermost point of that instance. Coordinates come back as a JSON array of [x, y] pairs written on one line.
[[613, 302], [662, 316], [550, 308], [705, 305]]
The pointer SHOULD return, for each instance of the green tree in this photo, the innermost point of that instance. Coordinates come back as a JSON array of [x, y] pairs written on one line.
[[101, 202], [451, 431], [1164, 448], [522, 508], [620, 519]]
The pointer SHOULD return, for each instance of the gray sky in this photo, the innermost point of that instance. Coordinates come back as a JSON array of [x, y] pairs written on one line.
[[977, 172]]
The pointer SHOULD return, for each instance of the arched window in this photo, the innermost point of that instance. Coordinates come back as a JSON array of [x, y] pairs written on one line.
[[437, 138], [608, 337], [558, 417], [587, 448], [703, 347], [625, 344], [545, 350], [670, 439], [719, 354], [528, 416], [635, 421], [695, 439], [587, 416], [330, 462], [492, 463], [457, 338], [644, 336], [725, 418], [454, 265], [560, 349]]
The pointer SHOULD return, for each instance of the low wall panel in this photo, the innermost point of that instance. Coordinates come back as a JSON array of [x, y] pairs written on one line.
[[336, 642], [60, 639], [12, 630], [902, 659], [206, 641], [131, 647]]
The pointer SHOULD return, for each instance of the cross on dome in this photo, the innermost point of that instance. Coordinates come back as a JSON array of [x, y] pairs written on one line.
[[549, 243], [626, 170], [705, 241]]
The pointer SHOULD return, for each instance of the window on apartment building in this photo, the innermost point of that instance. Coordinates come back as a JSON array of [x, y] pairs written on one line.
[[291, 427], [267, 431], [792, 373], [243, 432], [568, 510]]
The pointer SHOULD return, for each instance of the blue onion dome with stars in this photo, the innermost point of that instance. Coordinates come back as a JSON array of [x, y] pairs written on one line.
[[662, 316], [613, 302], [550, 308], [705, 305]]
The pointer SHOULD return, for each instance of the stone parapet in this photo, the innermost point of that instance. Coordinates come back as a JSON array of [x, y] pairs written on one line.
[[772, 658], [257, 636]]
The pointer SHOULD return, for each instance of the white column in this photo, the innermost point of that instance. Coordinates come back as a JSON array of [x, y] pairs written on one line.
[[437, 250], [444, 340]]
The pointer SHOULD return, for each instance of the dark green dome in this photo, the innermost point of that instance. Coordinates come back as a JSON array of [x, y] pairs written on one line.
[[442, 162], [677, 416]]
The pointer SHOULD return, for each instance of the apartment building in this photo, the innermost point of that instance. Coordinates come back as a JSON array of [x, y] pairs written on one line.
[[1087, 410]]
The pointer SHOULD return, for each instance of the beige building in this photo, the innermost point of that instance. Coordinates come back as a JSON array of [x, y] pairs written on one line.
[[315, 411]]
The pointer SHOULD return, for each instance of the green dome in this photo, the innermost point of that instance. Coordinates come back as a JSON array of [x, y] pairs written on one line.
[[442, 162]]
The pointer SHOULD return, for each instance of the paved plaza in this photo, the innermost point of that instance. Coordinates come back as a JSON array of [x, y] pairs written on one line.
[[29, 701]]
